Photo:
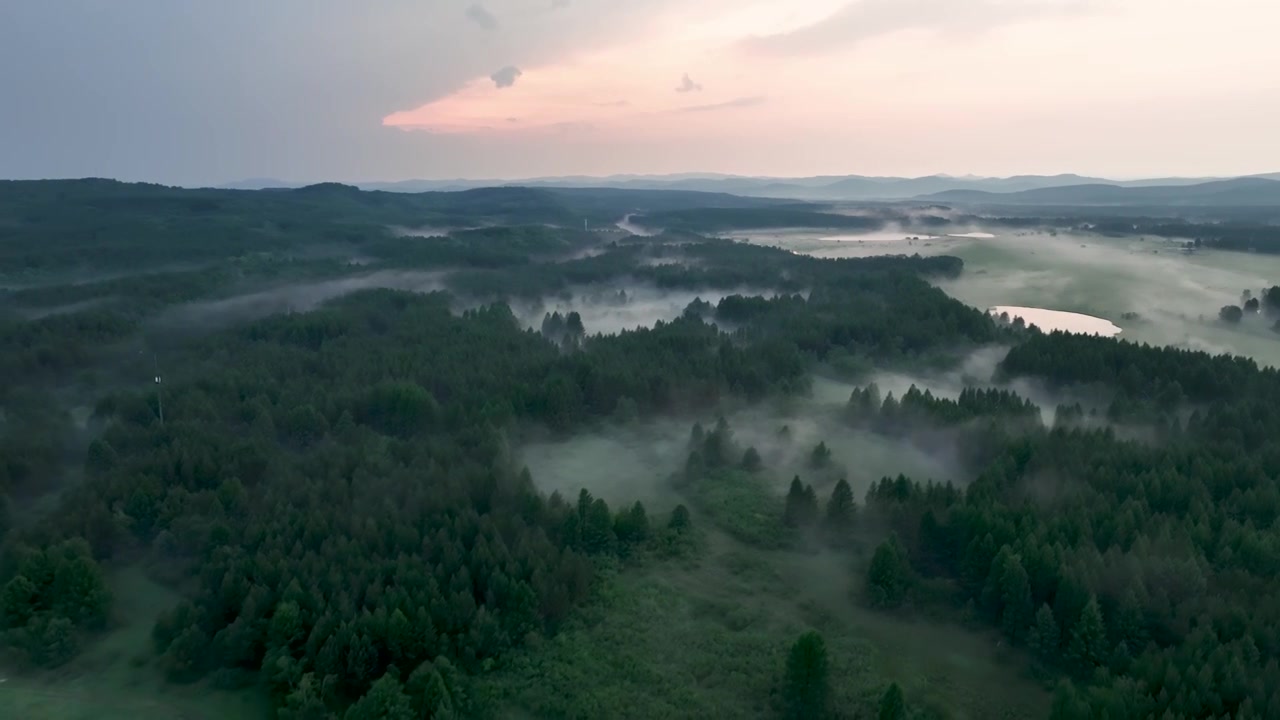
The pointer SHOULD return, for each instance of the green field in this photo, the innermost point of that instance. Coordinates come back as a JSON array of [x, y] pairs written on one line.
[[708, 639]]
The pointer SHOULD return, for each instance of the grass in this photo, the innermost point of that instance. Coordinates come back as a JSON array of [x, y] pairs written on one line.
[[708, 638], [649, 648], [742, 504], [114, 677]]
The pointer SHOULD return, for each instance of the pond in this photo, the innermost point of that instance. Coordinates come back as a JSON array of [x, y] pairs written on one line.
[[1050, 320]]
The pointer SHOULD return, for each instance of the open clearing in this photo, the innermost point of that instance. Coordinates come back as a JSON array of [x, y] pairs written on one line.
[[708, 638]]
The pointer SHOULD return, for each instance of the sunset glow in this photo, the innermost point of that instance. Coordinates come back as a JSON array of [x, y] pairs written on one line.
[[901, 70], [520, 88]]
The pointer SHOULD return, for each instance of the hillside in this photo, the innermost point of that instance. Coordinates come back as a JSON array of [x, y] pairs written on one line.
[[1240, 192]]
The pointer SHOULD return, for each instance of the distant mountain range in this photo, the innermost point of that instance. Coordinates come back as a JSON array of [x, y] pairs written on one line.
[[1067, 189], [1239, 192]]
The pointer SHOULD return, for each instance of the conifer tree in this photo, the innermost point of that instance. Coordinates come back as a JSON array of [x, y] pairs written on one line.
[[841, 508], [1045, 638], [793, 515], [889, 576], [893, 706], [1087, 648], [806, 687]]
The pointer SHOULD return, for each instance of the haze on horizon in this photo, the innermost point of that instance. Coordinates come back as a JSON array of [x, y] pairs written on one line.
[[310, 90]]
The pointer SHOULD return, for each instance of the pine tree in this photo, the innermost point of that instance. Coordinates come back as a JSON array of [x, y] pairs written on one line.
[[751, 461], [386, 700], [893, 706], [793, 514], [820, 457], [889, 576], [17, 602], [597, 531], [680, 520], [573, 325], [304, 702], [1130, 623], [809, 505], [717, 445], [935, 548], [1045, 639], [1012, 594], [696, 436], [841, 508], [632, 525], [1087, 648], [1067, 704], [807, 686], [434, 691]]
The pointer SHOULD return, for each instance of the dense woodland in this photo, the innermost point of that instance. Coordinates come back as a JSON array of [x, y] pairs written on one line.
[[1143, 568], [337, 498]]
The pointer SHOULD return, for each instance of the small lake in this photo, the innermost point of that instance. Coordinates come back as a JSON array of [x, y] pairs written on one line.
[[1050, 320]]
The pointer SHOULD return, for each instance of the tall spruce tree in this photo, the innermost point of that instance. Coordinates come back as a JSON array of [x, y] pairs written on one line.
[[806, 688]]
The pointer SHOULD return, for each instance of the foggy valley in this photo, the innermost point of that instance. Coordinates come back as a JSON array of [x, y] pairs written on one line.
[[730, 436], [590, 360]]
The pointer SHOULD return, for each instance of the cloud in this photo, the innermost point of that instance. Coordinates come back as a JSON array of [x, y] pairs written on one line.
[[866, 19], [506, 77], [688, 85], [612, 103], [741, 102], [560, 4], [485, 19]]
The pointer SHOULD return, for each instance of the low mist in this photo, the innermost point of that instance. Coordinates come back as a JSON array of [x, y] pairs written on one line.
[[1150, 288], [636, 461], [613, 309], [299, 297]]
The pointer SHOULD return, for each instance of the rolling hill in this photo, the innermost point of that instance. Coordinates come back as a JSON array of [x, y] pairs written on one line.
[[1239, 192], [816, 188]]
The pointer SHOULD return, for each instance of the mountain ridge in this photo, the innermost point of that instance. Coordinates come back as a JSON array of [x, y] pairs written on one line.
[[1243, 191], [817, 187]]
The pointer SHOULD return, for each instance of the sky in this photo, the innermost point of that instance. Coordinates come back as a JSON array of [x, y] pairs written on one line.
[[200, 93]]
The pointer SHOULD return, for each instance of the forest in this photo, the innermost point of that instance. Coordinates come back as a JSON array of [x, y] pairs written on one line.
[[336, 494]]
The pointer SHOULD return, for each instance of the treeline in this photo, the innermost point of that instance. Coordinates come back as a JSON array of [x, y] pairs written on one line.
[[921, 408], [106, 225], [1237, 236], [712, 220], [50, 226], [1143, 572], [491, 247]]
